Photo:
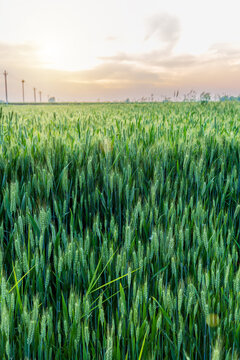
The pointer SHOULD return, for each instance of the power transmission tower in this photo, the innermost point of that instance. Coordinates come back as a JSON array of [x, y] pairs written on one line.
[[40, 96], [34, 93], [6, 89], [23, 81]]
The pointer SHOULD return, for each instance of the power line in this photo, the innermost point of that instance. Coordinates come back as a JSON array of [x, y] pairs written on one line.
[[6, 89], [24, 83]]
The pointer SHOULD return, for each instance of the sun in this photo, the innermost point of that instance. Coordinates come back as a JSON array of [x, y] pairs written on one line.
[[52, 56], [56, 55]]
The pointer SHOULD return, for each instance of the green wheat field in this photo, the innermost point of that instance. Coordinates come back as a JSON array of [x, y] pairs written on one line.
[[120, 231]]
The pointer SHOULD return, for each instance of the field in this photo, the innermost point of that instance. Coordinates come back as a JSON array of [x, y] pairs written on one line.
[[120, 231]]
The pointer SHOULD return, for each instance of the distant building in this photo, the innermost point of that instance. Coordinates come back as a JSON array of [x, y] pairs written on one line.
[[52, 100]]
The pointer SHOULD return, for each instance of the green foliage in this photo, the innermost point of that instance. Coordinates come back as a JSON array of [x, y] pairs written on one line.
[[119, 231], [205, 97]]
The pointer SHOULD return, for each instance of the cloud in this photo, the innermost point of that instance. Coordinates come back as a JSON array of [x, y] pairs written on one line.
[[123, 75], [165, 28], [18, 55], [158, 70], [118, 74], [111, 38], [224, 55], [225, 49], [152, 59]]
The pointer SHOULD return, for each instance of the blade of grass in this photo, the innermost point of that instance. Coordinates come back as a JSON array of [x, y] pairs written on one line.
[[94, 275], [164, 312], [18, 293], [161, 270], [112, 281], [17, 282], [95, 307], [142, 347], [89, 290]]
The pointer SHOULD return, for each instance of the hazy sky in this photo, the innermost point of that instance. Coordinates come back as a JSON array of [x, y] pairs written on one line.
[[109, 49]]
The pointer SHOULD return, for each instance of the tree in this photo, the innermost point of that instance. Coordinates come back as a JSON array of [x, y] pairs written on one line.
[[205, 97]]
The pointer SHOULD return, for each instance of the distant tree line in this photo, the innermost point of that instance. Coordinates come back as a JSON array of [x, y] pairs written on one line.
[[229, 98]]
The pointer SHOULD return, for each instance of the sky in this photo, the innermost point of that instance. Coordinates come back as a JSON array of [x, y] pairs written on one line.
[[113, 50]]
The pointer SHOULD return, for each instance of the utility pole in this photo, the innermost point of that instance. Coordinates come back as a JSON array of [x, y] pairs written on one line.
[[40, 96], [6, 90], [34, 93], [23, 81]]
